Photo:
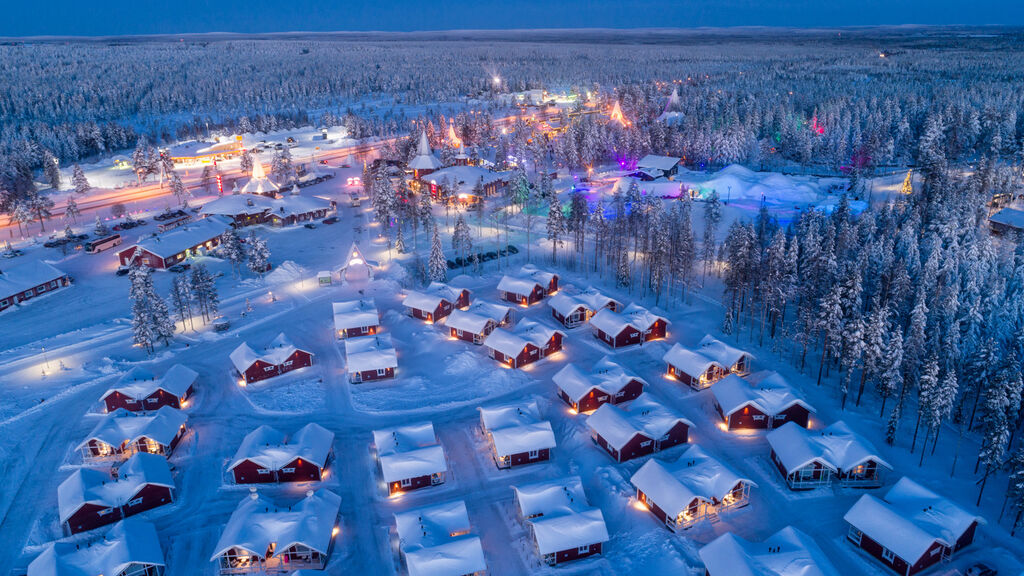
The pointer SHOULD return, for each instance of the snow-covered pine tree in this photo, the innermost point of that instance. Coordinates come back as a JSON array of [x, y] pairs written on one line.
[[437, 266], [245, 163], [71, 210], [79, 181], [889, 375], [996, 433], [139, 290], [51, 169], [712, 217], [258, 255], [204, 289], [100, 229], [178, 188], [163, 325], [462, 240], [181, 297], [555, 225], [400, 240], [231, 249], [1015, 489]]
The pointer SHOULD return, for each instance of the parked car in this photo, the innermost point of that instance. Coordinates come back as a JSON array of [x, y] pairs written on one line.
[[222, 325], [122, 270], [323, 162], [331, 220], [178, 268], [12, 253], [309, 225], [981, 569], [512, 249]]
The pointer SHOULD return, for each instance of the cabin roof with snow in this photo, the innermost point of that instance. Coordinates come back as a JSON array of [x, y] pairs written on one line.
[[130, 541], [689, 361], [767, 391], [259, 183], [569, 531], [662, 163], [787, 552], [94, 486], [425, 158], [431, 298], [355, 314], [279, 349], [634, 316], [465, 176], [373, 352], [467, 321], [25, 276], [121, 426], [517, 428], [618, 423], [551, 497], [180, 239], [518, 285], [695, 475], [721, 352], [1009, 217], [409, 451], [606, 375], [512, 342], [436, 540], [258, 522], [910, 519], [253, 204], [836, 447], [565, 304], [268, 447], [542, 276], [139, 383]]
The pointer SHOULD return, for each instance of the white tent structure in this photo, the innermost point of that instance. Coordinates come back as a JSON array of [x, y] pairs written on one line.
[[260, 184], [356, 266]]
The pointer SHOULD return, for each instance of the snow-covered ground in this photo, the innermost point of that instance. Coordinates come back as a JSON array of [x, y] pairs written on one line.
[[59, 353]]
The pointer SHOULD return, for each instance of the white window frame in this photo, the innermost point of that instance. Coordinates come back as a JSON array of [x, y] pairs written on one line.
[[406, 482], [645, 443], [533, 454], [888, 555], [135, 502], [263, 471], [152, 400], [288, 470], [584, 549], [268, 368], [104, 512], [758, 417], [854, 534], [382, 371]]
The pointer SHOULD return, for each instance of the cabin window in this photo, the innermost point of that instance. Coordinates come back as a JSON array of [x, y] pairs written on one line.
[[458, 333], [53, 284], [129, 401], [888, 555], [406, 482], [152, 400], [135, 502], [288, 470], [534, 454], [645, 443], [807, 473], [854, 535], [780, 416], [382, 371], [3, 302], [585, 549], [104, 512], [268, 368], [27, 294], [263, 471], [289, 362], [758, 417]]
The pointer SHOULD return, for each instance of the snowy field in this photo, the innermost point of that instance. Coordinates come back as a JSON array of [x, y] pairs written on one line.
[[59, 353]]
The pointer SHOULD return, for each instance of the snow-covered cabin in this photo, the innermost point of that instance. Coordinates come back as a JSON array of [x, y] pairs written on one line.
[[266, 537], [200, 152], [167, 249], [763, 401], [659, 166], [467, 178], [425, 161], [410, 457], [1007, 220], [91, 498], [370, 358], [734, 360], [279, 357], [27, 280], [571, 310], [642, 427], [477, 321], [692, 368], [634, 325], [606, 383], [811, 458], [140, 390], [265, 455], [129, 548], [259, 184], [517, 433], [356, 318], [526, 343], [911, 528], [695, 488], [788, 552], [436, 541], [356, 266], [564, 525], [120, 434], [436, 302], [529, 286], [248, 209]]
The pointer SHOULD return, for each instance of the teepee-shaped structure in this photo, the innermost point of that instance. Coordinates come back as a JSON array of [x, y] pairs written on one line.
[[260, 184], [617, 116], [425, 162], [356, 266], [672, 113]]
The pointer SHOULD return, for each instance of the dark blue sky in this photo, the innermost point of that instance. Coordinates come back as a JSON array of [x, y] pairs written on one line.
[[118, 17]]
